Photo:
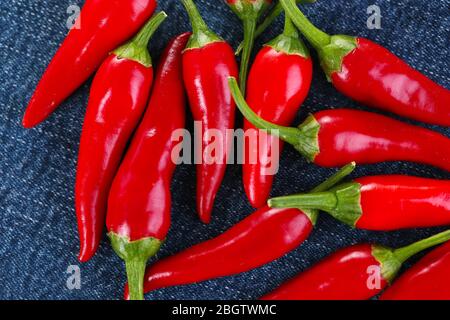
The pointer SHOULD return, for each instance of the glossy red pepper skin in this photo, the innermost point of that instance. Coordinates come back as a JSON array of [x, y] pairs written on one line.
[[278, 84], [358, 272], [427, 280], [205, 72], [104, 25], [140, 200], [351, 135], [374, 76], [407, 202], [118, 98], [261, 238], [139, 203], [371, 74], [334, 137], [342, 276], [208, 61]]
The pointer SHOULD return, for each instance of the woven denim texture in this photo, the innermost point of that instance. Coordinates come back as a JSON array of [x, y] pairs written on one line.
[[38, 236]]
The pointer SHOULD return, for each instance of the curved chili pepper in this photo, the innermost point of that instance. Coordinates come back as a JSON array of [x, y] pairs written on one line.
[[139, 203], [104, 25], [268, 20], [262, 237], [406, 202], [372, 75], [334, 137], [119, 94], [286, 67], [249, 11], [427, 280], [355, 273], [207, 63]]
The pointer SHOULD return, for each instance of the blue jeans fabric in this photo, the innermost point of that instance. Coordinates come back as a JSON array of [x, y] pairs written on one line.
[[38, 236]]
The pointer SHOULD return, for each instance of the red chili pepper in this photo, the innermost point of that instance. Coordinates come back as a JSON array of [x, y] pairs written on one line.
[[334, 137], [355, 273], [262, 237], [208, 61], [119, 94], [249, 11], [427, 280], [104, 25], [285, 66], [139, 203], [372, 75], [406, 202]]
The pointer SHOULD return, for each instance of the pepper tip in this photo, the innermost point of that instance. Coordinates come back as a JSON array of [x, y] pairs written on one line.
[[27, 124], [206, 219], [85, 256], [83, 259]]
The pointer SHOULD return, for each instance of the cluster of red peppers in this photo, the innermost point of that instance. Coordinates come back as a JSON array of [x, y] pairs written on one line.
[[125, 163]]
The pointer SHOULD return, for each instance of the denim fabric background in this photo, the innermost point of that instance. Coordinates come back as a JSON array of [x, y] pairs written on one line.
[[38, 238]]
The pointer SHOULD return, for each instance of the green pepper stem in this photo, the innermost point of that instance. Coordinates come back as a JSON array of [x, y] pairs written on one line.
[[342, 202], [326, 201], [329, 183], [201, 34], [249, 39], [135, 275], [287, 134], [135, 254], [197, 22], [407, 252], [289, 28], [143, 37], [336, 178], [315, 36], [136, 49], [268, 20], [304, 138]]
